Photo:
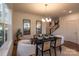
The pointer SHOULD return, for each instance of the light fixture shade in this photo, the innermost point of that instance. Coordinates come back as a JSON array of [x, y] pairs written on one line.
[[47, 19], [43, 20], [50, 20]]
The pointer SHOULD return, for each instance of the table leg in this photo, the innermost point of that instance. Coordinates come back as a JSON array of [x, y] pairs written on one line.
[[36, 50], [55, 50]]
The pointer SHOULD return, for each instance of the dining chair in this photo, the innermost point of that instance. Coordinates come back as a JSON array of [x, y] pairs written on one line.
[[44, 46], [56, 44]]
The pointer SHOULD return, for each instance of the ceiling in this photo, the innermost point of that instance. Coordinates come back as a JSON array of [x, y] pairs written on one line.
[[53, 9]]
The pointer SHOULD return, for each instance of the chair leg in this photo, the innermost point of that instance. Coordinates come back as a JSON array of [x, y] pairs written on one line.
[[60, 48], [42, 53], [50, 52], [55, 51], [36, 50]]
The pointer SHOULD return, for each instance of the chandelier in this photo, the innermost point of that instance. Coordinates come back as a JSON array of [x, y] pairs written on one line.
[[46, 19]]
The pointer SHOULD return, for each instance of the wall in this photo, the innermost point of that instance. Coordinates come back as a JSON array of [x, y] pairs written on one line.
[[18, 23], [69, 27]]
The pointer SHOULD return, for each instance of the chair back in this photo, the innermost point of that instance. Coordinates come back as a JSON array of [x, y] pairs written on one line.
[[58, 41], [46, 45]]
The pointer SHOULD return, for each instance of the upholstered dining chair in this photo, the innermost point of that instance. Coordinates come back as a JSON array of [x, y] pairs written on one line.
[[59, 41], [44, 46]]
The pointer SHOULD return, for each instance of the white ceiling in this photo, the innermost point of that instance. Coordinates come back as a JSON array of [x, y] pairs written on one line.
[[53, 9]]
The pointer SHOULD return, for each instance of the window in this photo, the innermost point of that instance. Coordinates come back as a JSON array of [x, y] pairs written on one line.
[[1, 34], [3, 23]]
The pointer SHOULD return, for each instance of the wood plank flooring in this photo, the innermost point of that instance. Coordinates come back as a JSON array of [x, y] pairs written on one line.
[[68, 45]]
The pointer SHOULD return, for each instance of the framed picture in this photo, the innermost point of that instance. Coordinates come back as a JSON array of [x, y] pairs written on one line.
[[26, 26], [38, 27]]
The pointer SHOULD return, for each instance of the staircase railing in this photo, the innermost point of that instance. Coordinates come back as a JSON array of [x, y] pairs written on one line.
[[54, 28], [56, 24]]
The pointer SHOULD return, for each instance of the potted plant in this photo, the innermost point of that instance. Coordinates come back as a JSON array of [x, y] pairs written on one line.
[[18, 33]]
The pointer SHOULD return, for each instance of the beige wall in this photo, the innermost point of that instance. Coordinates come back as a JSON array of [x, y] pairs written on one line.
[[18, 22], [63, 30], [69, 27]]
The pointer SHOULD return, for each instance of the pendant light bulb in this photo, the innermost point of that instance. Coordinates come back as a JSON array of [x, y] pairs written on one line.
[[49, 19], [43, 20]]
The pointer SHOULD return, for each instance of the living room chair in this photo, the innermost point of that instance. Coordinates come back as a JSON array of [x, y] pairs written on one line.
[[25, 48]]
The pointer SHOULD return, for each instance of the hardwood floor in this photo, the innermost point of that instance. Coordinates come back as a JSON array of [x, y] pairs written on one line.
[[67, 44], [14, 52], [71, 45]]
